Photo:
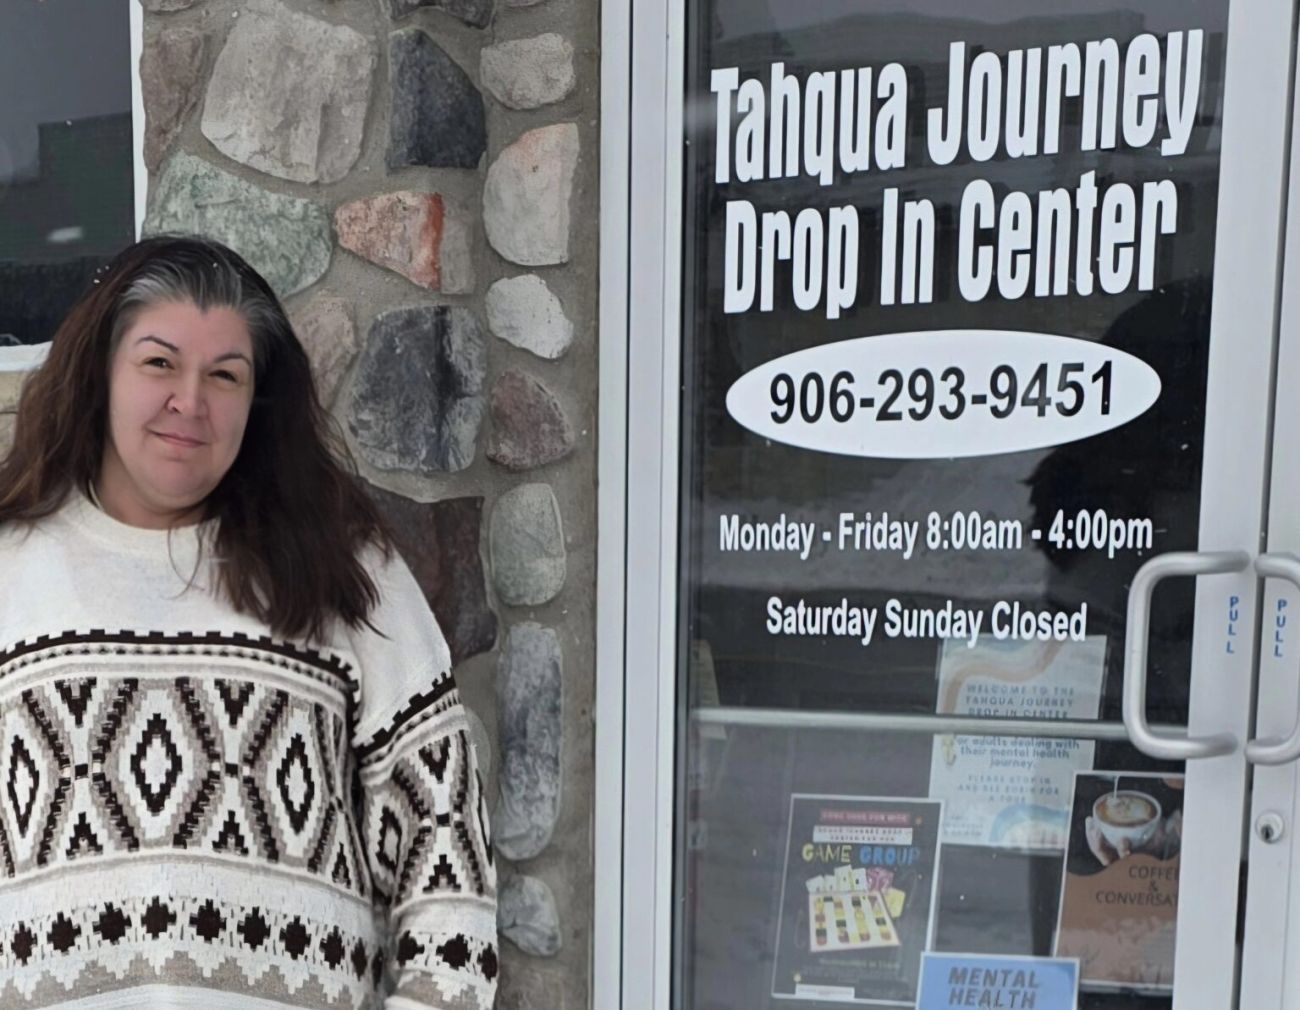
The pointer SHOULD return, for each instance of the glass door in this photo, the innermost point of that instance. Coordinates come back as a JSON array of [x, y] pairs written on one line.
[[958, 501]]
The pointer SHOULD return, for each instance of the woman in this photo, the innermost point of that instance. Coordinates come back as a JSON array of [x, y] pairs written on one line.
[[234, 768]]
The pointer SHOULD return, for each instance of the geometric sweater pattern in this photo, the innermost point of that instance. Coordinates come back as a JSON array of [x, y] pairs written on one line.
[[195, 813]]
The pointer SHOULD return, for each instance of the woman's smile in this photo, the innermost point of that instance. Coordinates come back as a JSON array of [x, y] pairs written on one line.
[[179, 440]]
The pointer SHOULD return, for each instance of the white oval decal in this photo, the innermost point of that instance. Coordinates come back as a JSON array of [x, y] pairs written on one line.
[[943, 393]]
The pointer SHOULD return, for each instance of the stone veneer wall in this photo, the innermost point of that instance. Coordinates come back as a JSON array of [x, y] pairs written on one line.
[[418, 180]]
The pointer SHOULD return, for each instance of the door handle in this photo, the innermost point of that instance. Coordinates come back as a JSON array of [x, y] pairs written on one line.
[[1162, 743], [1277, 565]]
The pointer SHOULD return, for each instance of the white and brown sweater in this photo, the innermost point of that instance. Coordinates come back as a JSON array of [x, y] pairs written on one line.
[[195, 813]]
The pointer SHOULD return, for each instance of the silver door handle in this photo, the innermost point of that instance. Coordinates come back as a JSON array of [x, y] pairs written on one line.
[[1272, 751], [1163, 744]]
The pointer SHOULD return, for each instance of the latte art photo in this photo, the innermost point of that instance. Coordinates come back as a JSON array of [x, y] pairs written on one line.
[[1126, 809]]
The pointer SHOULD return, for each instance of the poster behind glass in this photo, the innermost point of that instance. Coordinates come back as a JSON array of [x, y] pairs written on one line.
[[946, 293]]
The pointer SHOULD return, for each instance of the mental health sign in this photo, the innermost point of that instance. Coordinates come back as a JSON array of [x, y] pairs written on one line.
[[963, 981]]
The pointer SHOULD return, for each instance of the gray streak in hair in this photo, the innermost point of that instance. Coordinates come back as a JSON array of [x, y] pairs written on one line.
[[213, 283]]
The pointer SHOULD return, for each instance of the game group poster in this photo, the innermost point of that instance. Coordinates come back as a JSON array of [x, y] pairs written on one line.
[[857, 898]]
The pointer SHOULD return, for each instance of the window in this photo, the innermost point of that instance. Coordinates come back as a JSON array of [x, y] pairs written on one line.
[[67, 161]]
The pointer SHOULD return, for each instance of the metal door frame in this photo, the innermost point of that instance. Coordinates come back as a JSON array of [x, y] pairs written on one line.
[[137, 114], [1272, 935]]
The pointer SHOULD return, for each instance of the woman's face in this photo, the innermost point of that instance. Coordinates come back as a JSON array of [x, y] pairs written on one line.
[[179, 391]]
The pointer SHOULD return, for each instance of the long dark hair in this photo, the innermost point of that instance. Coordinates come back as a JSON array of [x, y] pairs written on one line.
[[292, 517]]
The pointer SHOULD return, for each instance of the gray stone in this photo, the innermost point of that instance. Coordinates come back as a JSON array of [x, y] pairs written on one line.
[[528, 424], [522, 3], [417, 395], [324, 326], [473, 12], [437, 116], [167, 6], [526, 916], [523, 311], [528, 73], [288, 95], [527, 984], [526, 546], [530, 713], [171, 67], [457, 264], [285, 239], [527, 196]]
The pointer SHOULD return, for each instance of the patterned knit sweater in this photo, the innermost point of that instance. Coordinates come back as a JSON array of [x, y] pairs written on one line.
[[195, 813]]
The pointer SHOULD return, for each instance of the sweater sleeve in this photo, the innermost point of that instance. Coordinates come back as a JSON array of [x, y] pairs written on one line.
[[425, 826]]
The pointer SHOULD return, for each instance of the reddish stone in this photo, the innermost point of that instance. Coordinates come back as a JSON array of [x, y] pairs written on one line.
[[402, 232], [528, 424], [440, 541]]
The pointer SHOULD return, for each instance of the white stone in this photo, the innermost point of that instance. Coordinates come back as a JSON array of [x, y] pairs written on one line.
[[288, 95], [528, 193], [528, 73], [525, 312]]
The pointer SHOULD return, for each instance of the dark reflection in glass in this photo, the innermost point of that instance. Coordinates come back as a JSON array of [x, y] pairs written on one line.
[[736, 783], [66, 163]]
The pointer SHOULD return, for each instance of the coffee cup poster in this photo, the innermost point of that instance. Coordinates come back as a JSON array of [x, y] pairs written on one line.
[[1119, 894]]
